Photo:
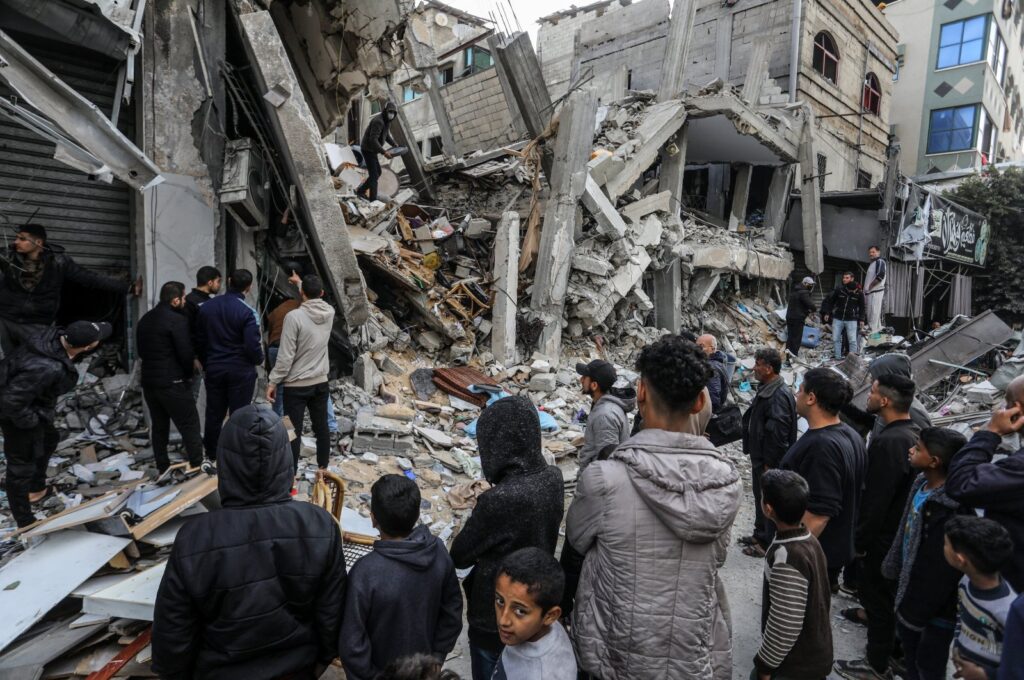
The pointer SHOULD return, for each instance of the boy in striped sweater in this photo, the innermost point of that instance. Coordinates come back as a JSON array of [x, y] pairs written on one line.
[[796, 631]]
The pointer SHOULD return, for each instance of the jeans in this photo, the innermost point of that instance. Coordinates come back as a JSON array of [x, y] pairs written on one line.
[[28, 453], [297, 400], [13, 334], [877, 595], [368, 189], [173, 403], [926, 652], [332, 419], [838, 328], [764, 528], [483, 662], [226, 392], [794, 335]]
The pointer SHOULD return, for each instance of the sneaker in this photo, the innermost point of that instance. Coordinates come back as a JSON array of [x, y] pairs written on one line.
[[860, 669]]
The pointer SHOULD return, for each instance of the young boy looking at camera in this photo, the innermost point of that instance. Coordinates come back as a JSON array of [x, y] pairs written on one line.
[[796, 631], [527, 593]]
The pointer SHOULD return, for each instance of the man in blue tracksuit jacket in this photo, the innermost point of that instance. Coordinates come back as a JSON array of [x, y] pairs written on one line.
[[230, 348]]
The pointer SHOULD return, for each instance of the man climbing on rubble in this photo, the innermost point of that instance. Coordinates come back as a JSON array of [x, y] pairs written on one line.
[[376, 135], [653, 521], [254, 589], [230, 349], [165, 348], [302, 368], [844, 309], [874, 289], [799, 308], [32, 378], [34, 272]]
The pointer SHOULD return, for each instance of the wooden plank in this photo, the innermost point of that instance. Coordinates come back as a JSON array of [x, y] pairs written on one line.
[[127, 654], [133, 598], [98, 583], [105, 506], [189, 493], [35, 581], [163, 537]]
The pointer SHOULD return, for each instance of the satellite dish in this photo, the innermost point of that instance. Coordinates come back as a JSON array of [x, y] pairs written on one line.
[[441, 19]]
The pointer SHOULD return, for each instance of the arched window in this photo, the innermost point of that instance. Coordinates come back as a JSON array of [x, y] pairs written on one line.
[[872, 99], [826, 57]]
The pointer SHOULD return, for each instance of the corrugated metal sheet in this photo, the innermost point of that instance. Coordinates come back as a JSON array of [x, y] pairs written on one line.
[[904, 295], [91, 219]]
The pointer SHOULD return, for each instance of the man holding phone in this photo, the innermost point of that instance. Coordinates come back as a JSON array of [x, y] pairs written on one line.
[[996, 487]]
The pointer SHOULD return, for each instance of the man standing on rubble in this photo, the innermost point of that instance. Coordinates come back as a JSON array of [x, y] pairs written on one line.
[[33, 276], [254, 589], [376, 135], [874, 289], [302, 368], [32, 378], [230, 348], [168, 359], [207, 285], [799, 308], [608, 423], [722, 365], [844, 309]]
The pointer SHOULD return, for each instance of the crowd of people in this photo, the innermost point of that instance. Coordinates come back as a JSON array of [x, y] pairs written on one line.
[[921, 525]]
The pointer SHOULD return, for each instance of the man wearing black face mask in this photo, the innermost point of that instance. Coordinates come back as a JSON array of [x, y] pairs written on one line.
[[377, 133], [845, 309], [32, 378]]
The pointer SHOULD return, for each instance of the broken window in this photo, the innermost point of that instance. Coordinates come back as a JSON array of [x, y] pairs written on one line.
[[952, 129], [477, 59], [447, 74], [409, 94], [822, 169], [826, 57], [863, 179], [872, 98], [434, 147], [962, 42]]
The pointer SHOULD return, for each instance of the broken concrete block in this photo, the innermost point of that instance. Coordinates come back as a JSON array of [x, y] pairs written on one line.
[[660, 202], [591, 264], [389, 365], [661, 121], [506, 282], [436, 437], [628, 276], [115, 384], [541, 366], [542, 382], [648, 234], [609, 221], [430, 340], [395, 412], [702, 285], [366, 374], [477, 227]]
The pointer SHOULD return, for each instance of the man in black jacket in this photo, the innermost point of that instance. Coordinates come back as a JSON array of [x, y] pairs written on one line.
[[523, 508], [255, 589], [207, 285], [799, 308], [996, 487], [377, 133], [886, 485], [33, 275], [165, 347], [844, 308], [769, 429], [32, 378]]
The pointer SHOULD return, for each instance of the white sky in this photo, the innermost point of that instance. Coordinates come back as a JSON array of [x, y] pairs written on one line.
[[527, 11]]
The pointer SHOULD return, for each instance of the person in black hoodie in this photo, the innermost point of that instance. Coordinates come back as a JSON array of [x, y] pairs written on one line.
[[376, 135], [255, 589], [886, 486], [32, 276], [403, 598], [799, 308], [167, 363], [32, 378], [523, 508], [844, 308]]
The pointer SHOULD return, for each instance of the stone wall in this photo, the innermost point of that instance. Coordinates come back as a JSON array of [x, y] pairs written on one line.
[[478, 111], [633, 38], [556, 43]]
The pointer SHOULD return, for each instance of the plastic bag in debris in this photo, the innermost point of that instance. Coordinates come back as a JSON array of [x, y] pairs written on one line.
[[547, 421]]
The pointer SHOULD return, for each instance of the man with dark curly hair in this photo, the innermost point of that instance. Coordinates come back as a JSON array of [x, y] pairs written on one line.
[[653, 521]]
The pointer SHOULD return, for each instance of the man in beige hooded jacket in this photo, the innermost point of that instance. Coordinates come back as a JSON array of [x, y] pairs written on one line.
[[302, 368], [653, 521]]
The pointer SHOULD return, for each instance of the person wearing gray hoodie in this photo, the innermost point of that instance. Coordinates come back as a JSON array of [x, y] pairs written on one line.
[[302, 368], [653, 521], [608, 423]]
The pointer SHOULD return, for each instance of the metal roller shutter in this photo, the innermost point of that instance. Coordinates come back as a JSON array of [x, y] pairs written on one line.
[[88, 217]]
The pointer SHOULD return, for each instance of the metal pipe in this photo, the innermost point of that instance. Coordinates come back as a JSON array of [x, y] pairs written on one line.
[[794, 49]]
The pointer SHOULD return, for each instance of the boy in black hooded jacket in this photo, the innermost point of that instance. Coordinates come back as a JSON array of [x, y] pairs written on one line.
[[522, 509]]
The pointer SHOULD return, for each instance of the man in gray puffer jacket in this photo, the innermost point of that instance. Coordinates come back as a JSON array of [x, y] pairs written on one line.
[[608, 423], [653, 521]]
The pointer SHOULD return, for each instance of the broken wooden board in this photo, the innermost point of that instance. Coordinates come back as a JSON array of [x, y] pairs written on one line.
[[132, 598], [34, 582], [103, 507], [163, 536], [188, 494], [27, 660]]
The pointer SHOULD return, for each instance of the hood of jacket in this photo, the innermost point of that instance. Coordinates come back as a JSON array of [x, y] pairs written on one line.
[[47, 344], [254, 458], [890, 364], [318, 310], [685, 481], [622, 397], [418, 549], [508, 433]]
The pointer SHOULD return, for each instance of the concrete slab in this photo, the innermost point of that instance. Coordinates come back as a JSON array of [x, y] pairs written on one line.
[[506, 289], [660, 123], [609, 221], [746, 262]]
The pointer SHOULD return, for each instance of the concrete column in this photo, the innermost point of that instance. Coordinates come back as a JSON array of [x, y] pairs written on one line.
[[506, 289], [449, 145], [702, 285], [740, 194], [668, 289], [757, 72], [412, 159], [810, 196], [673, 164], [778, 199], [718, 188], [678, 45], [524, 88], [554, 257]]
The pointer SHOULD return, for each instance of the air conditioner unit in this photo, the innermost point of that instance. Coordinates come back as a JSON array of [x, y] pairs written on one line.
[[244, 187]]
